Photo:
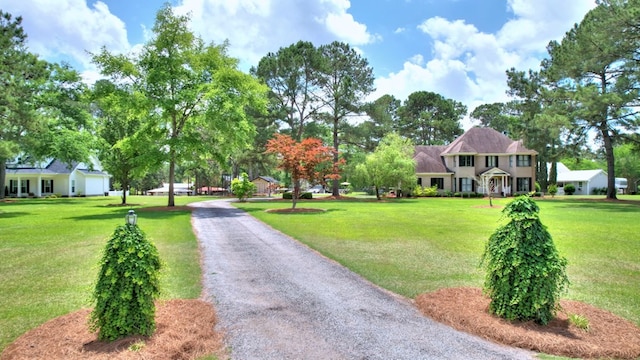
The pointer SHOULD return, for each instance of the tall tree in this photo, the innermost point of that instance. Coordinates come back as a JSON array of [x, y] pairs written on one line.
[[292, 75], [497, 116], [128, 150], [43, 109], [346, 79], [390, 165], [382, 119], [544, 121], [428, 118], [196, 91], [596, 63], [304, 160]]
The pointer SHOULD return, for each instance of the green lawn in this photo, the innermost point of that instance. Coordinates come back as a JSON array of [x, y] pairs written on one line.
[[49, 250], [411, 246]]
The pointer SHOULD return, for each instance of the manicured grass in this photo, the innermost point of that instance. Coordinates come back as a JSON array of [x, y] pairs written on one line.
[[411, 246], [49, 250]]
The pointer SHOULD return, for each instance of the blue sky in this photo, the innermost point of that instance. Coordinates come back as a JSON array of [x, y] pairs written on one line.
[[458, 48]]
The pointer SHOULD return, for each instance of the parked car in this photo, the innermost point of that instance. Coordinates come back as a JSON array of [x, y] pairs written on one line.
[[318, 189]]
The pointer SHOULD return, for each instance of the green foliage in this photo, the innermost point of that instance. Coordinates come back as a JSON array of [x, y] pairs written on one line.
[[304, 196], [569, 189], [243, 188], [525, 275], [391, 165], [128, 283], [431, 191], [579, 321], [552, 189]]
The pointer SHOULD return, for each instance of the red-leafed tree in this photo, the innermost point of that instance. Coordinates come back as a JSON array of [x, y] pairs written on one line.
[[307, 160]]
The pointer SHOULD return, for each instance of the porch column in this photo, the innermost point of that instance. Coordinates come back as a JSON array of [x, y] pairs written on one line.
[[19, 193], [39, 186]]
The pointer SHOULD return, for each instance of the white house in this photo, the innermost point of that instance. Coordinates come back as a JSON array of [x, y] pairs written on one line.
[[52, 176], [585, 181]]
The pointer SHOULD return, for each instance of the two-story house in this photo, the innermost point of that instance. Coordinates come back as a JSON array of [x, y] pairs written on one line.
[[481, 160]]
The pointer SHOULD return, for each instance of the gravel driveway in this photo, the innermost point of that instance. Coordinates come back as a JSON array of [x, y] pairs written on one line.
[[278, 299]]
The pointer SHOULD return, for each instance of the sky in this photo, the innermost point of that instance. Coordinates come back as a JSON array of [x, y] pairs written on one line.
[[457, 48]]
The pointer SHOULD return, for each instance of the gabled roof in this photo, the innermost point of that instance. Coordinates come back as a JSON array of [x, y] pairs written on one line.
[[483, 140], [579, 175], [268, 179], [53, 167], [428, 159]]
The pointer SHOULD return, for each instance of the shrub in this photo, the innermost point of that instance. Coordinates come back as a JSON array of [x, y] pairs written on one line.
[[525, 274], [128, 283], [418, 191], [431, 191], [538, 187], [243, 188], [569, 189], [552, 189], [305, 195]]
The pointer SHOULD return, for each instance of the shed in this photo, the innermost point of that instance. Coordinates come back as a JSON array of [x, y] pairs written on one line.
[[265, 185]]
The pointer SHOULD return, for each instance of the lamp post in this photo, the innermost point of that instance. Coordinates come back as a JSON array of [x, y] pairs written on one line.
[[131, 217]]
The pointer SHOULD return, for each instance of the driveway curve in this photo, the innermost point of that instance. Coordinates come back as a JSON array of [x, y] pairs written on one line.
[[278, 299]]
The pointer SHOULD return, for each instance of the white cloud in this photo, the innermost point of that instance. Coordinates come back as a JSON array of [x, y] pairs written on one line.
[[400, 30], [469, 66], [256, 27], [68, 29]]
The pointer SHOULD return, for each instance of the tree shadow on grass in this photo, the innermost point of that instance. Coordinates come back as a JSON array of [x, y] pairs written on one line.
[[602, 205]]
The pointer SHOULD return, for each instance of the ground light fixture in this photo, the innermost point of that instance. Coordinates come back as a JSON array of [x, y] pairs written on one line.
[[131, 217]]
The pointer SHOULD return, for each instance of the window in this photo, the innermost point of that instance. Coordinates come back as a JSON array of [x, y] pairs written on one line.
[[13, 186], [466, 185], [420, 181], [523, 160], [492, 161], [47, 186], [466, 160], [439, 182], [523, 184]]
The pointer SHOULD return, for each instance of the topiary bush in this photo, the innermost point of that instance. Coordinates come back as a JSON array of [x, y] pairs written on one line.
[[552, 189], [128, 283], [525, 275]]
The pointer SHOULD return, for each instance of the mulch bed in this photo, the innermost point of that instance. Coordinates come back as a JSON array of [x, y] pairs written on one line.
[[466, 309], [295, 211], [185, 330]]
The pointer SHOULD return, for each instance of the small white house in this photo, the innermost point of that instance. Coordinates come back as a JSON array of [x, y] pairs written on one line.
[[585, 181], [37, 179]]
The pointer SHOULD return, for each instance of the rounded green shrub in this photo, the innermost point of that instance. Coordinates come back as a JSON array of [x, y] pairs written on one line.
[[569, 189], [552, 189], [525, 275], [242, 188], [128, 283]]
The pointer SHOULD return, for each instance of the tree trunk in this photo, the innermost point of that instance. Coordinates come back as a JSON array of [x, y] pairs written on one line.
[[608, 151], [336, 182], [125, 185], [296, 193], [172, 175], [377, 192]]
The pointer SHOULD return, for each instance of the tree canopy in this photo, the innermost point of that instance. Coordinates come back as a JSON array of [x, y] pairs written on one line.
[[391, 165], [196, 94]]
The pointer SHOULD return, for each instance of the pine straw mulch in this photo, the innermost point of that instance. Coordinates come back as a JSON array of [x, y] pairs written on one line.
[[184, 330], [466, 309]]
